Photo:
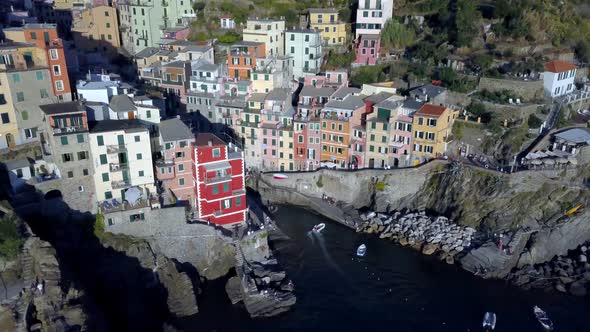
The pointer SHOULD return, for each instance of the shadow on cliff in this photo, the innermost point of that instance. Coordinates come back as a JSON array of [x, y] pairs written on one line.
[[119, 294]]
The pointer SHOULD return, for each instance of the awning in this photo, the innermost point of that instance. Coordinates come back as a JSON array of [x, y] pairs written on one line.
[[217, 166], [132, 195]]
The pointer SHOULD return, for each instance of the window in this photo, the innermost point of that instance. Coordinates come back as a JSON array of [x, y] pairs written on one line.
[[372, 138], [383, 139], [432, 122], [136, 217], [148, 114], [292, 50], [292, 36], [53, 54], [238, 201], [137, 138], [162, 170], [43, 93], [428, 149], [20, 96], [30, 133], [56, 70], [16, 78], [103, 159], [106, 13], [420, 121], [430, 136], [139, 156], [70, 174], [226, 203], [180, 167], [82, 155], [5, 118], [371, 148], [80, 138], [181, 182], [67, 157], [99, 140], [64, 140], [33, 35], [141, 174], [108, 195], [85, 171], [105, 177], [108, 25], [216, 153], [215, 189], [59, 85], [39, 75], [226, 187]]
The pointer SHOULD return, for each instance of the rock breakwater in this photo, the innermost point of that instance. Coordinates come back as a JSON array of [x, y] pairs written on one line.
[[569, 273], [431, 235]]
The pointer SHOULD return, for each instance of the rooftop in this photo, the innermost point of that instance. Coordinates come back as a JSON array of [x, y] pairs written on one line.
[[349, 103], [300, 30], [174, 130], [428, 90], [345, 91], [122, 103], [60, 108], [431, 110], [390, 103], [203, 139], [378, 97], [258, 97], [323, 10], [175, 64], [412, 104], [96, 85], [206, 66], [33, 26], [369, 37], [117, 125], [558, 66], [16, 164], [244, 43], [576, 135], [279, 94], [310, 91]]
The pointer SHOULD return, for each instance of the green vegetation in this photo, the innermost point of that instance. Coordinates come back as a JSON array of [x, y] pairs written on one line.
[[562, 121], [99, 225], [397, 35], [367, 74], [453, 81], [465, 26], [457, 130], [319, 182], [11, 239], [336, 60], [229, 37], [534, 122], [498, 97], [239, 12]]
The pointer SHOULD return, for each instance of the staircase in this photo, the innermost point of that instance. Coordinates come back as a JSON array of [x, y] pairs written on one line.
[[28, 279]]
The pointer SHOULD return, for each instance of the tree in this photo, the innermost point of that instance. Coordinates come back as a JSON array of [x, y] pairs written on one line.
[[198, 6], [583, 51], [484, 61], [397, 35], [229, 37], [534, 122], [466, 19]]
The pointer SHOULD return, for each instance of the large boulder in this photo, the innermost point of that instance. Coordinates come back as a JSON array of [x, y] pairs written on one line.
[[429, 249], [578, 288]]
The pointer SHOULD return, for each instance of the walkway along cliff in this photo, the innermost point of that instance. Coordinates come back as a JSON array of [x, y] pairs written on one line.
[[526, 207]]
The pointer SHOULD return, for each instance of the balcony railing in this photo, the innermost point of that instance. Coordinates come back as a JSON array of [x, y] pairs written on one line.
[[111, 149], [121, 184], [68, 130], [116, 167], [217, 213], [218, 179], [114, 205], [239, 192]]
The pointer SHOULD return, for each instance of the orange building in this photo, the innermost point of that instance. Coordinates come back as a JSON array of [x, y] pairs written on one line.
[[335, 139], [241, 58], [45, 36]]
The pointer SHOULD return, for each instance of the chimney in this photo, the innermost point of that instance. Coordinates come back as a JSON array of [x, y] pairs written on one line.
[[209, 143]]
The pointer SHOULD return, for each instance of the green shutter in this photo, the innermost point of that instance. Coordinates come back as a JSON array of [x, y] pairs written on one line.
[[180, 167], [138, 156], [215, 189], [105, 177], [103, 159], [238, 201], [64, 140], [226, 187], [99, 140], [80, 138]]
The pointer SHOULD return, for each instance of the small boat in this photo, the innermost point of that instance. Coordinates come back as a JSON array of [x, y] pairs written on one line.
[[319, 227], [543, 318], [278, 176], [361, 250], [489, 321]]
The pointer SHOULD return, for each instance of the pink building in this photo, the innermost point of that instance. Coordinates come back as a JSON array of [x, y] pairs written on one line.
[[400, 138], [270, 144], [331, 78], [367, 49], [174, 168], [178, 33], [357, 146]]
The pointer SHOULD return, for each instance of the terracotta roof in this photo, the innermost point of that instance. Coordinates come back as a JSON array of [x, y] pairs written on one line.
[[432, 110], [558, 66]]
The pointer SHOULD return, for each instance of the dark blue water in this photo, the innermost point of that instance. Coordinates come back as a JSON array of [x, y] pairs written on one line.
[[391, 288]]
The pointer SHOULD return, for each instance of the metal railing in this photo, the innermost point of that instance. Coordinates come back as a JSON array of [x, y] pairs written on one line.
[[115, 167], [116, 148], [120, 184]]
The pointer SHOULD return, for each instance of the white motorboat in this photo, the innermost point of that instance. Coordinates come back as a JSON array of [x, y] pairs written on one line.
[[361, 250], [279, 176], [543, 318], [319, 227], [489, 321]]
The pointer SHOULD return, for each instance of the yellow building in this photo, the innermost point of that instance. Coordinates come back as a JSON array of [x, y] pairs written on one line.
[[262, 82], [326, 20], [8, 125], [286, 161], [378, 128], [97, 30], [431, 128]]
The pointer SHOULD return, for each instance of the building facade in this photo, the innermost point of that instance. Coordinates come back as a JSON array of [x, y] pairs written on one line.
[[267, 31], [304, 47], [431, 128], [241, 58], [97, 30], [327, 21], [558, 78]]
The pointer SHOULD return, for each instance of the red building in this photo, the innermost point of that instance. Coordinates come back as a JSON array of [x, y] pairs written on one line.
[[220, 187]]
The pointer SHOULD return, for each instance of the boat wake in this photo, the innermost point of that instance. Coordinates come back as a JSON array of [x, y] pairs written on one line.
[[327, 256]]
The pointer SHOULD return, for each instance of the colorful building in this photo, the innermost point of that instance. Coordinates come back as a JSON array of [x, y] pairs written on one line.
[[241, 58], [174, 168], [558, 78], [45, 37], [97, 30], [327, 21], [267, 31], [218, 171], [175, 80], [371, 16], [431, 128], [367, 49]]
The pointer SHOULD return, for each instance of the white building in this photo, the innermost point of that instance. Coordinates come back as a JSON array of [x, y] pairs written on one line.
[[371, 15], [206, 77], [122, 157], [558, 78], [267, 31], [304, 47], [227, 22]]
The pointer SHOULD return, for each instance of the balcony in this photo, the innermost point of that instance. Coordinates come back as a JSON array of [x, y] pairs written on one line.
[[164, 163], [121, 184], [114, 205], [233, 152], [218, 179], [112, 149], [117, 167], [69, 130], [238, 192]]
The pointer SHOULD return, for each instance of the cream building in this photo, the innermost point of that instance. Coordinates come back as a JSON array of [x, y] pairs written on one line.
[[122, 157], [267, 31], [97, 30], [327, 21]]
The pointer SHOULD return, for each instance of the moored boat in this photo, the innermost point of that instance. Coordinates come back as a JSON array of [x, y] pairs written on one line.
[[319, 227], [361, 250], [543, 318], [279, 176], [489, 321]]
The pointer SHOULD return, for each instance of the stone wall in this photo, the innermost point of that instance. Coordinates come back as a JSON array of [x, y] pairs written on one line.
[[83, 201], [528, 90], [200, 245]]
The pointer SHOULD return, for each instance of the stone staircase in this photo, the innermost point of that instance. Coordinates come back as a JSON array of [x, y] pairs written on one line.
[[28, 279]]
